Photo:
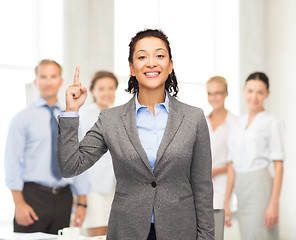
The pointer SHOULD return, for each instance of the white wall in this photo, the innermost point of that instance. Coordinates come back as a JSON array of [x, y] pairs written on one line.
[[88, 39]]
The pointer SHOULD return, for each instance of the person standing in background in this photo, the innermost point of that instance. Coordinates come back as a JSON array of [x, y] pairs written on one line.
[[42, 197], [218, 121], [100, 176], [255, 141]]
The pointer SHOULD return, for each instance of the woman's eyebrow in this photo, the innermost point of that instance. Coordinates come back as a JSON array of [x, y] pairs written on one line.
[[157, 49], [141, 50]]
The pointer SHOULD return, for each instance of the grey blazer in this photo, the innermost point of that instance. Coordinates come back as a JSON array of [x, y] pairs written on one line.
[[179, 191]]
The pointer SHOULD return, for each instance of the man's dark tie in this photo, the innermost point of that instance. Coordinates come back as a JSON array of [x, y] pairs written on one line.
[[54, 134]]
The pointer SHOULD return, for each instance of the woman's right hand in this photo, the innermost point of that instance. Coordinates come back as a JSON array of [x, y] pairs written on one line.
[[227, 215], [75, 94]]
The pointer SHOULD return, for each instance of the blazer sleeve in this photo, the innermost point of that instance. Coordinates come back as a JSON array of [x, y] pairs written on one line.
[[74, 157], [201, 181]]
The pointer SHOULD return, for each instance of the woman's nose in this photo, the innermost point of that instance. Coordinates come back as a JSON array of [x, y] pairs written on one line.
[[151, 63]]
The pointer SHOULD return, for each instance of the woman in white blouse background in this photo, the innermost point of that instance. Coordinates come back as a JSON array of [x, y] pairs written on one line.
[[101, 176], [218, 121], [255, 141]]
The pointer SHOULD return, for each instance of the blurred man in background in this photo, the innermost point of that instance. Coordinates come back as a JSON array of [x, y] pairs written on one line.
[[43, 199]]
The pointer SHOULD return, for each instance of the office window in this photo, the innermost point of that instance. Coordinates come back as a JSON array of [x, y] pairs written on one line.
[[30, 30], [204, 41]]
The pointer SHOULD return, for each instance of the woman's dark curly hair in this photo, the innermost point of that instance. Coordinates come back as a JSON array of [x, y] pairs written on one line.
[[171, 84]]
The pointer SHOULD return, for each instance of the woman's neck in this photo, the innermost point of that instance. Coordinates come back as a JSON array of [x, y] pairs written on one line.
[[254, 112], [218, 117], [219, 113], [252, 115], [149, 98]]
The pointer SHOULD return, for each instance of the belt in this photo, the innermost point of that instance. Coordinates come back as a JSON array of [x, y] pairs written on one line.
[[53, 190]]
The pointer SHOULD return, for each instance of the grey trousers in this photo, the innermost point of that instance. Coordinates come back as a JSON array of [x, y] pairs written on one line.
[[253, 191]]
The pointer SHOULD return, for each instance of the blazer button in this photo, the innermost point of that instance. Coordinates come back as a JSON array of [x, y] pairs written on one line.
[[153, 184]]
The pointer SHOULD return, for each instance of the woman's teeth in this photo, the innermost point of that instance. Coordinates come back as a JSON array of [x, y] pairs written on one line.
[[152, 73]]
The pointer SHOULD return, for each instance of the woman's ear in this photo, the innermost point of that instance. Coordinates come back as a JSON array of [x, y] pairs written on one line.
[[171, 66], [132, 70]]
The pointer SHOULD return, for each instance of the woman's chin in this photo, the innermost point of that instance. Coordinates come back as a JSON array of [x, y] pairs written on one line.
[[152, 86], [255, 108], [217, 107]]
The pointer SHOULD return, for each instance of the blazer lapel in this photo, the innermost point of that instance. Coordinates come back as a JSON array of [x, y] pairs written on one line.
[[174, 121], [129, 120]]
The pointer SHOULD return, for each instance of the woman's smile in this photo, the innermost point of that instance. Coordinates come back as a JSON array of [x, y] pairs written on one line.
[[152, 74], [151, 61]]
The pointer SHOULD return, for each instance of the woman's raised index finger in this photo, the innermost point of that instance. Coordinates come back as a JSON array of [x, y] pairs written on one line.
[[76, 76]]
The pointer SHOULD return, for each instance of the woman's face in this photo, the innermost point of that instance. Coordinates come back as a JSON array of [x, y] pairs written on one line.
[[151, 63], [216, 95], [255, 92], [104, 91]]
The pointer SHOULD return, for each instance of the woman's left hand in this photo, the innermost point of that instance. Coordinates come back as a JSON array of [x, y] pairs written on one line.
[[271, 216]]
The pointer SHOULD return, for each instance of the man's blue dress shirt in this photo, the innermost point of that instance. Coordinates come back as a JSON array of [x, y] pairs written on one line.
[[28, 151]]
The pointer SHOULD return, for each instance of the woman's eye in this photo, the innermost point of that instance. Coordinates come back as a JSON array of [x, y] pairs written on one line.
[[160, 56], [141, 57]]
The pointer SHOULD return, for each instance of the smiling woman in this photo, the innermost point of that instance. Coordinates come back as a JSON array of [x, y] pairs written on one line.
[[152, 61], [160, 149], [151, 66]]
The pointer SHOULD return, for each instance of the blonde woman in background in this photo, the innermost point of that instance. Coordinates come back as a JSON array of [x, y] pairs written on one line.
[[219, 120], [255, 141], [101, 176]]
